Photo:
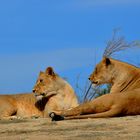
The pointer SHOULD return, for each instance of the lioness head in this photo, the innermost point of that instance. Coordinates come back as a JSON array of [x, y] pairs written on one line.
[[48, 83], [102, 73]]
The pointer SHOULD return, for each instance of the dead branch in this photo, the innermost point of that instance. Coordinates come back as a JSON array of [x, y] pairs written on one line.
[[117, 44]]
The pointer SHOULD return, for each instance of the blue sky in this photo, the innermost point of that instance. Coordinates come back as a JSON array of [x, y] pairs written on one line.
[[66, 34]]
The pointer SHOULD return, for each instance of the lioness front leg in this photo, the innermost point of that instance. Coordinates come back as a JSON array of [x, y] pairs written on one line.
[[10, 118], [114, 111], [110, 113], [48, 109], [7, 110]]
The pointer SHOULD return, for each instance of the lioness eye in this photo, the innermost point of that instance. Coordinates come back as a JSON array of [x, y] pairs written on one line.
[[41, 80]]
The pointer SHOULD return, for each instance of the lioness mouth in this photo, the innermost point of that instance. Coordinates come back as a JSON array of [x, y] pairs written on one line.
[[43, 94], [95, 82], [39, 97]]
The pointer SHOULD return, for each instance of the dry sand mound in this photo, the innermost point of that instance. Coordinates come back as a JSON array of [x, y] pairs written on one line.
[[124, 128]]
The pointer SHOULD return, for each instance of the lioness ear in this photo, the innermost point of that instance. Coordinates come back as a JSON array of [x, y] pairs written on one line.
[[41, 72], [49, 71], [106, 61]]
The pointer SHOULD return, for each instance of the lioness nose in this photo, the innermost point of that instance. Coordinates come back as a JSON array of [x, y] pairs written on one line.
[[33, 90], [89, 78]]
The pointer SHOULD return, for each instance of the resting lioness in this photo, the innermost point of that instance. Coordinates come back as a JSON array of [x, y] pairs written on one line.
[[122, 76], [59, 93], [125, 97], [61, 96], [18, 105]]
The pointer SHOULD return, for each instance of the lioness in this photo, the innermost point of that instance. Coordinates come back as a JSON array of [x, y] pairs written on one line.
[[125, 97], [59, 93], [60, 96], [122, 76], [19, 105]]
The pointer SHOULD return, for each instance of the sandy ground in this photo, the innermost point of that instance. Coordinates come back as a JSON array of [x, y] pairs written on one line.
[[124, 128]]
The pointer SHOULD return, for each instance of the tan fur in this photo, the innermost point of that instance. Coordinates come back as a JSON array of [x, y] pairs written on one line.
[[57, 94], [21, 105], [109, 105], [125, 97], [122, 76]]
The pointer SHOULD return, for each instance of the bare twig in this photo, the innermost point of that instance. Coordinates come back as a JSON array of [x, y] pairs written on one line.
[[117, 44], [77, 87], [86, 94]]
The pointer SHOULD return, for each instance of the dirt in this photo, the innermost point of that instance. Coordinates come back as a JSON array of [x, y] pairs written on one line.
[[123, 128]]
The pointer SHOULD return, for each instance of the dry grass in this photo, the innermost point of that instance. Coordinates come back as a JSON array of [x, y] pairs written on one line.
[[125, 128]]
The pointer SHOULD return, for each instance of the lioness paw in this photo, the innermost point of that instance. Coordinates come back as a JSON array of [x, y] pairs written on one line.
[[56, 117]]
